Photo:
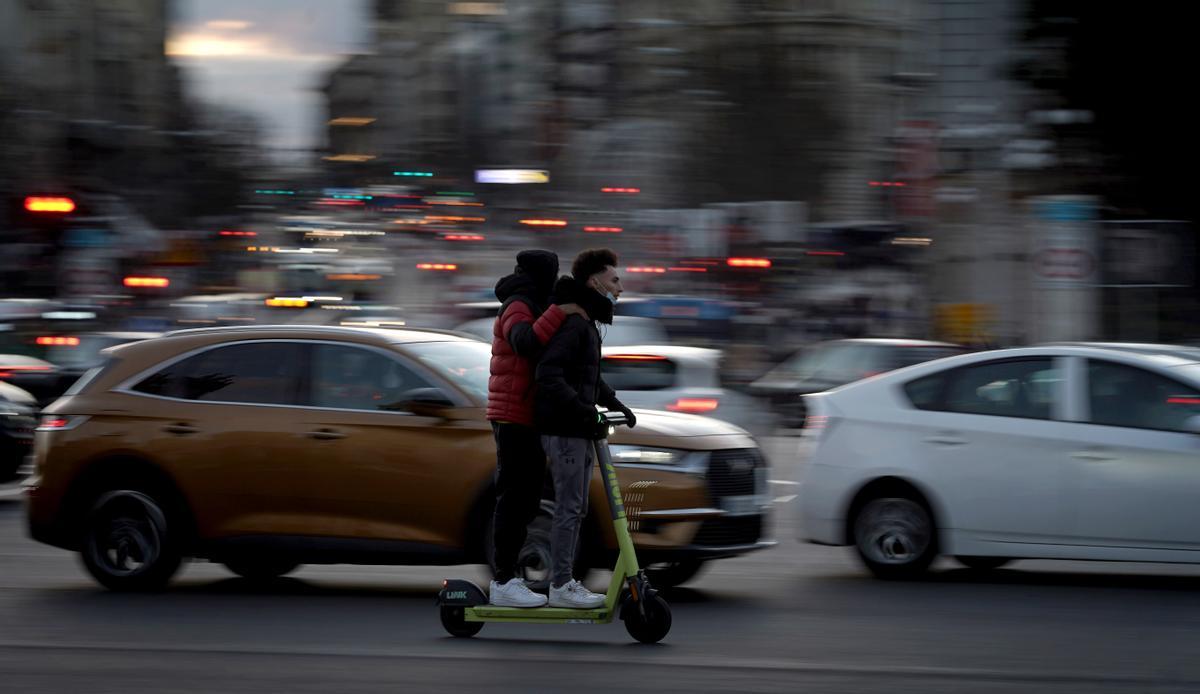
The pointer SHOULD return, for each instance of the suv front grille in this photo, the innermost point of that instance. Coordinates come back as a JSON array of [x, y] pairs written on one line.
[[736, 472], [724, 532]]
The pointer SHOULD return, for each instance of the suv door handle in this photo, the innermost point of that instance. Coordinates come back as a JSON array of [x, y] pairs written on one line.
[[946, 439], [1093, 456], [325, 435], [180, 428]]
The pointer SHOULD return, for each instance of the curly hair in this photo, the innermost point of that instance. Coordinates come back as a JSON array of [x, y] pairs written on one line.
[[591, 262]]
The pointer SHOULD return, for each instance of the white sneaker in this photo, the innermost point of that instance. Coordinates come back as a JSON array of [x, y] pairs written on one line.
[[573, 594], [514, 593]]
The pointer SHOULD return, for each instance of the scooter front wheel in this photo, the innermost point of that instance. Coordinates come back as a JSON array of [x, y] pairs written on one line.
[[653, 627], [456, 624]]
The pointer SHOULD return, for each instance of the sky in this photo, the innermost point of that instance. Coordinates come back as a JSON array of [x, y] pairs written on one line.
[[267, 57]]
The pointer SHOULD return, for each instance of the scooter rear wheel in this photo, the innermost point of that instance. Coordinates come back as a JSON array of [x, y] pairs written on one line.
[[654, 626], [454, 620]]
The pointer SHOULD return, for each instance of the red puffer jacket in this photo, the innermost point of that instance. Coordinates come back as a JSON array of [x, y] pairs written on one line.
[[517, 340]]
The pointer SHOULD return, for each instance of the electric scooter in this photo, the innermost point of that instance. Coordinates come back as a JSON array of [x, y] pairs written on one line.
[[464, 606]]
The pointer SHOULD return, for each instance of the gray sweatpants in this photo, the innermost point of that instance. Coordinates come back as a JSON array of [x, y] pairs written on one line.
[[571, 462]]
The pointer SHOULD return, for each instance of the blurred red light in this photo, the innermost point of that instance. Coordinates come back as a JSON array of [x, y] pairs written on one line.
[[226, 232], [687, 269], [646, 269], [463, 237], [604, 230], [748, 262], [621, 190], [1176, 400], [58, 341], [694, 405], [443, 267], [544, 222], [56, 204], [147, 282]]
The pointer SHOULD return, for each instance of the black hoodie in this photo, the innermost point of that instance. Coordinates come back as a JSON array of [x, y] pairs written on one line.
[[530, 282], [569, 385]]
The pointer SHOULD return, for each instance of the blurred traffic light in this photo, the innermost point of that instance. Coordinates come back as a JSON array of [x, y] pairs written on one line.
[[749, 262], [58, 205], [147, 282]]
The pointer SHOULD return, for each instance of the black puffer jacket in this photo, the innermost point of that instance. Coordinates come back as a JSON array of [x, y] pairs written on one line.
[[569, 385]]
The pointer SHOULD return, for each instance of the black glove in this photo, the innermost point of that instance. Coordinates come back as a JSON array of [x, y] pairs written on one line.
[[629, 417]]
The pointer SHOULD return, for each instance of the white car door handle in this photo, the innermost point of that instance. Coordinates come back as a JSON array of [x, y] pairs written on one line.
[[946, 440], [1093, 456]]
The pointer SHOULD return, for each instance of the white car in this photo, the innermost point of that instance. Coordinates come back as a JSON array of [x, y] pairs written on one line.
[[1077, 451], [681, 379]]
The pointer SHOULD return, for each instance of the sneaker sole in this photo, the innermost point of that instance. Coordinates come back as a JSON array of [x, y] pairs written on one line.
[[577, 607], [506, 603]]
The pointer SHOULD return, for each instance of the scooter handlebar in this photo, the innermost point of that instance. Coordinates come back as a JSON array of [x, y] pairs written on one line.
[[614, 419]]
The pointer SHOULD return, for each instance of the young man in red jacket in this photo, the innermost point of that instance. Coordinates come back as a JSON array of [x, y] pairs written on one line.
[[526, 322]]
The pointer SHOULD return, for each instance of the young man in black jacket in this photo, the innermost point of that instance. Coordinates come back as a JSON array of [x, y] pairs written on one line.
[[569, 387]]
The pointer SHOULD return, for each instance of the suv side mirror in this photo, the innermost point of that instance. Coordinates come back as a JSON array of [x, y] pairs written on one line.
[[424, 402]]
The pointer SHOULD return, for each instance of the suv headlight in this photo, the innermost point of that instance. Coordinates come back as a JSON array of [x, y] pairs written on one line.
[[642, 454], [651, 456]]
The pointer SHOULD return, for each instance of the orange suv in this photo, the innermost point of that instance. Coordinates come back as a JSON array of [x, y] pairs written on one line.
[[264, 448]]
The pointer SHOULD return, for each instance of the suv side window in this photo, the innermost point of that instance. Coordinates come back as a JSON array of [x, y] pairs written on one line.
[[1126, 396], [354, 378], [637, 372], [256, 372], [1010, 388]]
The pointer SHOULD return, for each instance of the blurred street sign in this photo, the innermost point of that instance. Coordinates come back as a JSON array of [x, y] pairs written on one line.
[[963, 323], [512, 176]]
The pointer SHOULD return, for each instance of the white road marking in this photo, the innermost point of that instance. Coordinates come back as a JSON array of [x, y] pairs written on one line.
[[11, 493], [786, 483]]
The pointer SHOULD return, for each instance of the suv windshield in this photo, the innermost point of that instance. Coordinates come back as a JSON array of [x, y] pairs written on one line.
[[466, 364]]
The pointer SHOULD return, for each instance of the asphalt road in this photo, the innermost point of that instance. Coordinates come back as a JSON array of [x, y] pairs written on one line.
[[796, 618]]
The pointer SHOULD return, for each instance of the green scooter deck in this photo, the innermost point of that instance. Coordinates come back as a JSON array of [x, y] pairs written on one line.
[[489, 613]]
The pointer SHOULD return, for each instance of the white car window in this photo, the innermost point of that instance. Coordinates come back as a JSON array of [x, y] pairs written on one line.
[[1126, 396], [1010, 388], [638, 372]]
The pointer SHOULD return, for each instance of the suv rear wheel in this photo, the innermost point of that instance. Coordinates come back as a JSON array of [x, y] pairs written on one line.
[[895, 536], [128, 543]]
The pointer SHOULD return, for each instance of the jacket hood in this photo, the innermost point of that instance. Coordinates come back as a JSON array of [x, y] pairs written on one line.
[[533, 277], [569, 290]]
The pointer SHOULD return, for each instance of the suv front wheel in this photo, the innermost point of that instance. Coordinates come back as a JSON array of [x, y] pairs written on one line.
[[128, 542]]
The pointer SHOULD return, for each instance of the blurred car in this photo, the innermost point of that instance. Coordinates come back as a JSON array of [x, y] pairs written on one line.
[[266, 447], [827, 365], [680, 379], [18, 416], [38, 377], [625, 330], [69, 356], [75, 354], [1058, 452]]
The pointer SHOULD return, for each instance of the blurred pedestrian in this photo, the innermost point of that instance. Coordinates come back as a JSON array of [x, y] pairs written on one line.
[[524, 324], [569, 387]]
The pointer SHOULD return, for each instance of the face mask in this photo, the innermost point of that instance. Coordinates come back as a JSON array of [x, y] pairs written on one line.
[[607, 294]]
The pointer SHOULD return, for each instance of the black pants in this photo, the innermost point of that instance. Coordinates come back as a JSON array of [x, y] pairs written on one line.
[[520, 473]]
